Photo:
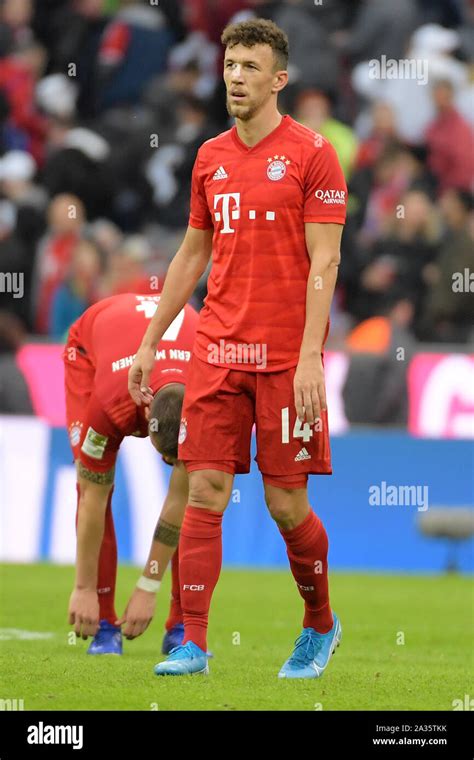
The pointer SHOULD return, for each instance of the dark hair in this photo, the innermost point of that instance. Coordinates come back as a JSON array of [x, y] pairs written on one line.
[[259, 31], [165, 418]]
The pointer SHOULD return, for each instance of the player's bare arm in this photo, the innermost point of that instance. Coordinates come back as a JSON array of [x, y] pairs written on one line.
[[323, 242], [184, 272], [141, 606], [84, 603]]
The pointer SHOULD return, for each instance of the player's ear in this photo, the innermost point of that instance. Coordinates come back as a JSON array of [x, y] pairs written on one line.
[[280, 81]]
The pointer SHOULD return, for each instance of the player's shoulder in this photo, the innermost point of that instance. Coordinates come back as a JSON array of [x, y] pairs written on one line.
[[215, 144], [115, 303], [98, 308], [120, 306], [306, 137]]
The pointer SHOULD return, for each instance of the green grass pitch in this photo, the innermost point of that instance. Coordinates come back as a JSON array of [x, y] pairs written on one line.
[[406, 645]]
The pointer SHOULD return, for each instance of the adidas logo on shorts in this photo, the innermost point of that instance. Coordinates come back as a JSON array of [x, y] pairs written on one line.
[[221, 173], [303, 454]]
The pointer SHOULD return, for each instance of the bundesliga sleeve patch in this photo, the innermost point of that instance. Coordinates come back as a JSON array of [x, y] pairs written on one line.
[[94, 444]]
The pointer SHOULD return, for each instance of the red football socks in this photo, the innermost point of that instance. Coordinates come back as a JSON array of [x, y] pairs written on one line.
[[200, 548], [307, 549], [175, 614], [107, 576]]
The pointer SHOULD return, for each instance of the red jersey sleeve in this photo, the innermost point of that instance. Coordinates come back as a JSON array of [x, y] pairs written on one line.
[[101, 440], [325, 188], [200, 216]]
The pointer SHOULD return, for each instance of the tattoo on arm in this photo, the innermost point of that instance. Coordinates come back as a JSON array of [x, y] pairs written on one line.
[[101, 478], [166, 533]]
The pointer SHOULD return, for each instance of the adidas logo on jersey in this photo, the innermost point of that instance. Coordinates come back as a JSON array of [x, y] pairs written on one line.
[[303, 454], [220, 173]]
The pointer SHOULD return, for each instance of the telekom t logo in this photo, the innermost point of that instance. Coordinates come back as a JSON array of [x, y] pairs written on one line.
[[231, 210], [226, 198]]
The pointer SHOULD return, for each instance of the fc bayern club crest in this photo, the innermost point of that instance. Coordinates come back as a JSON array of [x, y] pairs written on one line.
[[183, 431], [277, 167], [75, 433]]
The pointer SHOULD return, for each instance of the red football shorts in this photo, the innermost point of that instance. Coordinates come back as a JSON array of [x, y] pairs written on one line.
[[219, 410], [79, 381]]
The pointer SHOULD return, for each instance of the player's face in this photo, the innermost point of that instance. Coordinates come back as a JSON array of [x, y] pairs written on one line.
[[250, 76], [165, 457]]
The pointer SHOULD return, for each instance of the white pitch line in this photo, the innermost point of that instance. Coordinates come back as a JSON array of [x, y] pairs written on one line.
[[6, 634]]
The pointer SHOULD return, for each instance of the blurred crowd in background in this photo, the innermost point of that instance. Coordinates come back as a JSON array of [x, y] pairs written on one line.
[[104, 104]]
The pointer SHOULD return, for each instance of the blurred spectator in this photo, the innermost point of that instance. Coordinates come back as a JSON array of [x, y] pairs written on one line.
[[106, 235], [307, 34], [195, 56], [429, 58], [313, 109], [19, 73], [210, 18], [383, 133], [466, 33], [66, 217], [79, 290], [381, 27], [17, 170], [444, 12], [394, 263], [56, 96], [15, 268], [170, 168], [14, 394], [380, 190], [11, 138], [134, 48], [447, 314], [375, 390], [128, 273], [450, 142], [77, 164], [27, 202], [15, 22], [72, 32]]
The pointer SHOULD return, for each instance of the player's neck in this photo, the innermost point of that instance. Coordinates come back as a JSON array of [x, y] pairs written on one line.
[[253, 131]]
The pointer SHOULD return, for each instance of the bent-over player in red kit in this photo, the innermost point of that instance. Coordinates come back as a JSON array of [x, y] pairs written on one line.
[[269, 202], [100, 413]]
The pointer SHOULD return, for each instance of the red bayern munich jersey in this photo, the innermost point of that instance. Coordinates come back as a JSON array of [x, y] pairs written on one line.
[[257, 200], [110, 332]]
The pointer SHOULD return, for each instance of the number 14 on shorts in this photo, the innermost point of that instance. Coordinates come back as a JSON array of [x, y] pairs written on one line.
[[300, 430]]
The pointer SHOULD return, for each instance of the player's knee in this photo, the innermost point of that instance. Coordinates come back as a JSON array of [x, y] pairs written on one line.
[[209, 489], [285, 504], [280, 509]]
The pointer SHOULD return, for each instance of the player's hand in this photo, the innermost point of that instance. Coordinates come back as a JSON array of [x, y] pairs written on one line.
[[84, 612], [309, 389], [139, 376], [138, 613]]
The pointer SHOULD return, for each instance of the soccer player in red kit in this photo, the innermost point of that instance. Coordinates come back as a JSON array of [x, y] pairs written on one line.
[[269, 202], [100, 413]]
